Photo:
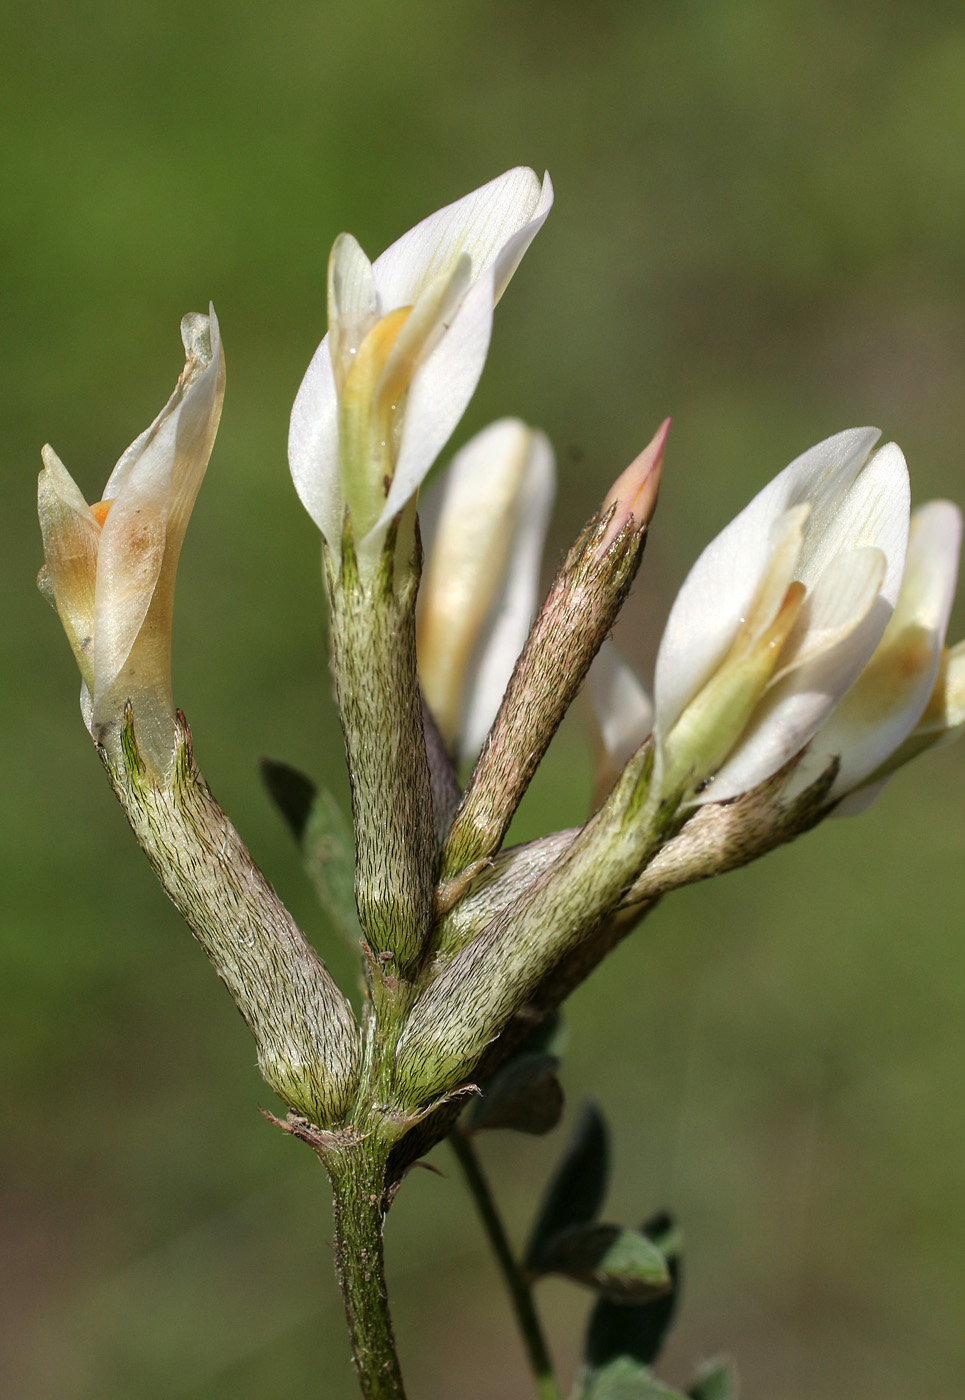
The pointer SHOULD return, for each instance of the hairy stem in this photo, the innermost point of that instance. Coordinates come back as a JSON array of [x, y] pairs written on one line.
[[519, 1291], [358, 1179]]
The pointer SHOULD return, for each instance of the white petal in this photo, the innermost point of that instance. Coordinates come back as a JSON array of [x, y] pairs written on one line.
[[715, 598], [511, 254], [429, 320], [481, 224], [440, 392], [313, 446], [353, 302], [887, 700], [834, 608], [794, 707], [872, 510], [501, 639], [623, 709], [952, 713]]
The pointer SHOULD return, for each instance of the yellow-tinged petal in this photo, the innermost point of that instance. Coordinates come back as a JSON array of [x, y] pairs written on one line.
[[715, 719], [483, 540], [71, 531]]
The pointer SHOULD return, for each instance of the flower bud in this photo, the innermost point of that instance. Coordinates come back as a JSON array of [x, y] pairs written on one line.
[[483, 536]]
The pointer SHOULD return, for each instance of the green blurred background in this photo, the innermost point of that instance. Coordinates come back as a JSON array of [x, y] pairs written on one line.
[[759, 228]]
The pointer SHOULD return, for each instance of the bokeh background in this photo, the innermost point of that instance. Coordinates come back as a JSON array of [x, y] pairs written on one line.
[[759, 228]]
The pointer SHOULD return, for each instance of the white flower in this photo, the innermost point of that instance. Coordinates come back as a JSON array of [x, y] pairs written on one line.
[[778, 617], [484, 530], [110, 568], [910, 694], [406, 345]]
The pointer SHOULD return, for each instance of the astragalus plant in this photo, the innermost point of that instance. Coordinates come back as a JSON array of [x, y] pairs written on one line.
[[802, 662]]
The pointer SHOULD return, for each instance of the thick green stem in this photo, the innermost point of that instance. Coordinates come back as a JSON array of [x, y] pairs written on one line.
[[358, 1183], [519, 1291]]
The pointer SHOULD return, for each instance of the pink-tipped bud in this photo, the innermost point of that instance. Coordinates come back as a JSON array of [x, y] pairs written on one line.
[[634, 493]]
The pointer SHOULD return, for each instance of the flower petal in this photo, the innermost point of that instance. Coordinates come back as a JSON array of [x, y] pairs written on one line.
[[870, 511], [794, 706], [493, 224], [313, 446], [155, 485], [716, 597], [950, 707], [353, 302], [70, 534], [621, 705], [467, 524], [837, 604], [888, 698], [440, 392], [502, 638]]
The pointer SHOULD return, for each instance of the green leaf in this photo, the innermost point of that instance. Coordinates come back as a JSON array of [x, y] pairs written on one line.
[[637, 1332], [325, 838], [625, 1379], [575, 1193], [622, 1264], [714, 1381], [292, 792], [523, 1094]]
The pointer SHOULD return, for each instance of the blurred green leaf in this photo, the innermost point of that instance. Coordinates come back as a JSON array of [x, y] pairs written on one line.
[[576, 1191], [715, 1381], [625, 1379], [623, 1264], [524, 1094], [325, 838], [637, 1332], [293, 793], [549, 1034]]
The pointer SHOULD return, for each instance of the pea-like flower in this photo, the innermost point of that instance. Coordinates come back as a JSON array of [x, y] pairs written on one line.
[[484, 531], [110, 568], [406, 344], [778, 617]]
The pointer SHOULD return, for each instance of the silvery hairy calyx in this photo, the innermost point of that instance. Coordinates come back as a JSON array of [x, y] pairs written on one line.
[[803, 661]]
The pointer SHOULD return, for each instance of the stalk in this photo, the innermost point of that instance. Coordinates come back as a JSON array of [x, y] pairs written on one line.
[[358, 1178], [520, 1294]]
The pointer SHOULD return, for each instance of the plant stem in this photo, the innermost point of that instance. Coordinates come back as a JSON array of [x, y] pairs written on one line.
[[519, 1291], [358, 1180]]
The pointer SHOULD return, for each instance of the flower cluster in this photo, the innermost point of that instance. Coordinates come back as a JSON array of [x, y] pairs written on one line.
[[813, 625]]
